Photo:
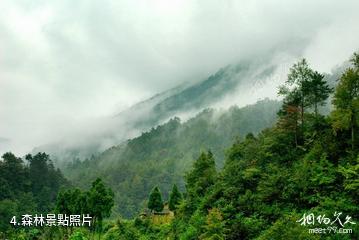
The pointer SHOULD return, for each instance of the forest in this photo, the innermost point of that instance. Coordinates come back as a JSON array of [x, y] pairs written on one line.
[[163, 154], [273, 170]]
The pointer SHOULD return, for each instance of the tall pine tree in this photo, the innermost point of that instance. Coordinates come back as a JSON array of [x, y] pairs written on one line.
[[318, 91], [155, 202], [296, 88], [175, 198]]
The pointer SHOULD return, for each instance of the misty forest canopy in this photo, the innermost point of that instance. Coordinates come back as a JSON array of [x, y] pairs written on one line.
[[169, 149], [161, 156], [242, 173], [27, 187], [227, 84]]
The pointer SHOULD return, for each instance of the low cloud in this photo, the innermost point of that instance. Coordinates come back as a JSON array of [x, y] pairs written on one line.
[[66, 63]]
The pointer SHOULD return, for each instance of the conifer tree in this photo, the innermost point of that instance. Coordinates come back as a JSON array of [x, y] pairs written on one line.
[[155, 202], [100, 202], [175, 198], [214, 228], [318, 91], [202, 176], [296, 88]]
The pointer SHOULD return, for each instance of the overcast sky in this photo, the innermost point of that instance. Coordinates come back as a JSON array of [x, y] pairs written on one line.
[[64, 61]]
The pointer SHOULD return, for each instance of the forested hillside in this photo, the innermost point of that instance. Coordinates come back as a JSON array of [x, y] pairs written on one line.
[[162, 155], [298, 175], [27, 187], [187, 98], [297, 178]]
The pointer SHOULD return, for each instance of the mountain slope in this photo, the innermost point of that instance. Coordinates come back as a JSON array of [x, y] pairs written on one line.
[[163, 154], [188, 99]]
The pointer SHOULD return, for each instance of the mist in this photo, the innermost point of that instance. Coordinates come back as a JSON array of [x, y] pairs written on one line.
[[67, 67]]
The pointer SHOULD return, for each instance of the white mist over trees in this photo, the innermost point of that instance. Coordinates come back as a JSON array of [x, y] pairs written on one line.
[[65, 65]]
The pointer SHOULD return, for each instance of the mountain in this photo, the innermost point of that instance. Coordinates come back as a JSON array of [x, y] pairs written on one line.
[[116, 148], [208, 92], [185, 100], [163, 154]]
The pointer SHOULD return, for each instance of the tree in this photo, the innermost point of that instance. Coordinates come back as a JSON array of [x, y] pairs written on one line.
[[346, 101], [297, 87], [304, 88], [8, 209], [21, 191], [202, 176], [13, 176], [101, 201], [72, 201], [38, 171], [155, 202], [214, 228], [299, 77], [45, 180], [78, 236], [355, 60], [351, 175], [175, 198], [289, 115], [318, 91]]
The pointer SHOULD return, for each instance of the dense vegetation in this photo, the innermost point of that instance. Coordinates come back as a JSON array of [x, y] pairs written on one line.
[[27, 188], [259, 189], [305, 163], [161, 156], [37, 188]]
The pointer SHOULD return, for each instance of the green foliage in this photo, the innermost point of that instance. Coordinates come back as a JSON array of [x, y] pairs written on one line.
[[8, 209], [268, 180], [304, 89], [202, 176], [214, 228], [351, 175], [124, 230], [287, 228], [155, 202], [318, 91], [78, 236], [161, 156], [175, 198], [27, 189], [14, 176], [45, 180], [72, 201], [346, 102], [297, 86], [100, 202], [97, 202]]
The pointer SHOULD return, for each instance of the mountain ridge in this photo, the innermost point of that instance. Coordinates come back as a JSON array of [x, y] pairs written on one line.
[[186, 97]]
